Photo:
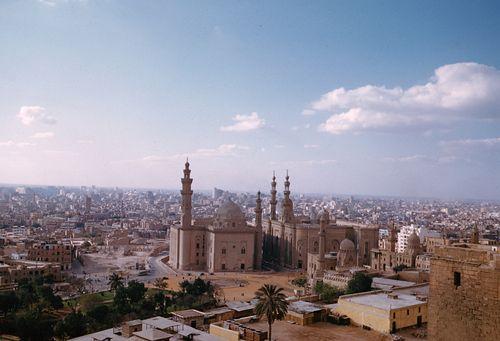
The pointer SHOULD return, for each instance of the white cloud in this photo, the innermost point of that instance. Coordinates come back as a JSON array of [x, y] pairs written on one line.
[[311, 146], [486, 143], [11, 143], [308, 112], [43, 135], [455, 92], [292, 164], [85, 141], [220, 151], [279, 146], [245, 123], [34, 114], [410, 158]]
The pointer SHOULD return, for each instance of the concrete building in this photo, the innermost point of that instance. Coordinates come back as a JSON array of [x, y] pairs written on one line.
[[386, 311], [225, 242], [464, 302]]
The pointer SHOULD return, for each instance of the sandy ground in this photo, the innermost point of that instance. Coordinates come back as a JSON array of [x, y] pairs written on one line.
[[111, 261], [322, 331], [241, 286]]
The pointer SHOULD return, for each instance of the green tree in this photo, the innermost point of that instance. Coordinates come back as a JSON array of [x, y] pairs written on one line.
[[327, 293], [73, 325], [272, 304], [115, 281], [9, 303], [136, 291], [300, 281], [359, 283], [121, 301], [399, 268]]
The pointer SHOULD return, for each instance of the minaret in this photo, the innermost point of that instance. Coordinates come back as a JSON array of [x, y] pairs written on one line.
[[273, 202], [475, 235], [287, 202], [258, 232], [393, 238], [323, 223], [186, 193]]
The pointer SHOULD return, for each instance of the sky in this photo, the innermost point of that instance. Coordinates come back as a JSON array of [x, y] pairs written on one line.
[[394, 98]]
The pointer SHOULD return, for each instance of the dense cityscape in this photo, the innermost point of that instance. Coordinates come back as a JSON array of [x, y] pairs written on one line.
[[277, 170]]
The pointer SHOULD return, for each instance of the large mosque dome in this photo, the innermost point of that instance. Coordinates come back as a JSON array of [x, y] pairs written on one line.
[[413, 241], [347, 245], [229, 214]]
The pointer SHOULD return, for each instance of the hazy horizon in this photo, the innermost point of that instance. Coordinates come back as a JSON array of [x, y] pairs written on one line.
[[398, 99]]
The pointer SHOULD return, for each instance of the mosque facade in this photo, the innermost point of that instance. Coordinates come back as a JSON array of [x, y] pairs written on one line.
[[227, 242]]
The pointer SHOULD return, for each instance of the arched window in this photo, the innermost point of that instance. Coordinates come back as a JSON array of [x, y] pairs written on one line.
[[243, 251], [315, 246], [224, 251]]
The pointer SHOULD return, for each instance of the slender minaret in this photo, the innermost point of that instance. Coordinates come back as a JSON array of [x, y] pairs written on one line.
[[287, 202], [323, 223], [258, 232], [273, 201], [186, 193], [185, 232], [393, 238], [475, 235]]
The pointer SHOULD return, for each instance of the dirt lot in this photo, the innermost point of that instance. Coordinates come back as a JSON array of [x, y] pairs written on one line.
[[241, 286], [322, 331]]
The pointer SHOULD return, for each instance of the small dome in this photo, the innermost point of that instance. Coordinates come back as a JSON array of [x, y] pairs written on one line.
[[230, 211], [347, 245], [413, 241]]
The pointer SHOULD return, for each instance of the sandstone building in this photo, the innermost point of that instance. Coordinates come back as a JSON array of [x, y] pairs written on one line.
[[464, 302], [385, 259], [314, 243], [225, 242]]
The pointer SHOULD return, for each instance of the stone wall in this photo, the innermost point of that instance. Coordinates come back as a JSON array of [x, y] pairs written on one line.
[[464, 302]]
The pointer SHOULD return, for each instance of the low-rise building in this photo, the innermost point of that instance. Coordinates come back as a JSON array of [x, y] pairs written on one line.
[[157, 328], [386, 311]]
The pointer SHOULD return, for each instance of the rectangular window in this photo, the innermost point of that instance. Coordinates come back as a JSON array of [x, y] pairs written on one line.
[[407, 311], [223, 266], [393, 315], [456, 279], [223, 251]]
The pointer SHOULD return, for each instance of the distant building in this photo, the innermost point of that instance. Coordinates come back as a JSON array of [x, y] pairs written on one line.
[[57, 252], [217, 193], [464, 302]]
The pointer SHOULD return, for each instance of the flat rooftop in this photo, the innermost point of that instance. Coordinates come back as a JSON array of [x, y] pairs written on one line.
[[303, 307], [381, 300]]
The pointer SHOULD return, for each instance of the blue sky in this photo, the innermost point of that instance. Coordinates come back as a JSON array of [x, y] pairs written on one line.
[[389, 98]]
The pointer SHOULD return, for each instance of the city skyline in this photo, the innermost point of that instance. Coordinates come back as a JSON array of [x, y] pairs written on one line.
[[388, 99]]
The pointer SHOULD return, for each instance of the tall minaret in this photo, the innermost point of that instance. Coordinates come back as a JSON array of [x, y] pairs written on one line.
[[323, 223], [475, 235], [186, 193], [258, 232], [393, 238], [273, 201], [287, 202]]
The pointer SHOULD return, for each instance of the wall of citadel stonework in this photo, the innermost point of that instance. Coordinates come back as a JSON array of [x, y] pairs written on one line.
[[470, 309]]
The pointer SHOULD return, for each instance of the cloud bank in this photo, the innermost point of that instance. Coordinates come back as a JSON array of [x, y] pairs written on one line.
[[455, 92]]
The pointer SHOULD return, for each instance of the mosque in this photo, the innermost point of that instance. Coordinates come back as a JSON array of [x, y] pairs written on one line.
[[227, 242]]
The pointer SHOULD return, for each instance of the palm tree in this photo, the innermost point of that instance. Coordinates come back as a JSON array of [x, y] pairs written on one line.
[[272, 304], [115, 281]]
